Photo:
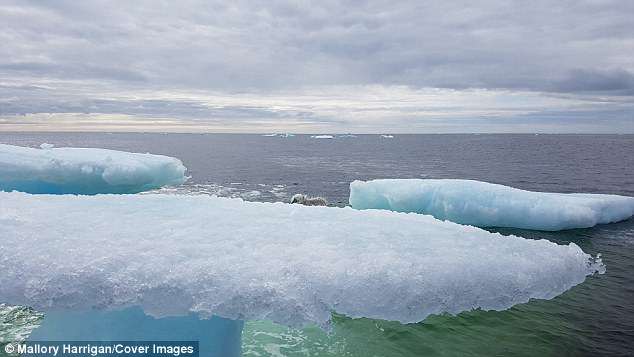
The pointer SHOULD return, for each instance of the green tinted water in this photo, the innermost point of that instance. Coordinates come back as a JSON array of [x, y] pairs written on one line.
[[593, 318]]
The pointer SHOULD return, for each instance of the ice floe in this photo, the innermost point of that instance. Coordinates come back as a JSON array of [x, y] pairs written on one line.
[[85, 170], [174, 255], [485, 204]]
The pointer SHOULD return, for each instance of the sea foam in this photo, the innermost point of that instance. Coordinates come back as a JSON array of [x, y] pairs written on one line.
[[485, 204], [85, 170], [292, 264]]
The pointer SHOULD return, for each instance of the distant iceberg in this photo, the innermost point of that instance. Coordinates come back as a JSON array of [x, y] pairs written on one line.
[[84, 170], [485, 204], [292, 264], [322, 136], [281, 135], [387, 136]]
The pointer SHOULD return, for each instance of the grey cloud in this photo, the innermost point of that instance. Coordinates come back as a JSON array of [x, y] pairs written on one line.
[[574, 48], [279, 44], [151, 108], [23, 100], [617, 81], [72, 70]]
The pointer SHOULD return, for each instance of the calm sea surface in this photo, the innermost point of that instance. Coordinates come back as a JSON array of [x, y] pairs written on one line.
[[594, 318]]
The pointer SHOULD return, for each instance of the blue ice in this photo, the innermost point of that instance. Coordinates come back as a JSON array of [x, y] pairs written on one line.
[[85, 170], [216, 336], [485, 204]]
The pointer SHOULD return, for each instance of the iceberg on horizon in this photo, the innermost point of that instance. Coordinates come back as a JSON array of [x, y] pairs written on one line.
[[484, 204], [85, 170], [281, 135], [291, 264]]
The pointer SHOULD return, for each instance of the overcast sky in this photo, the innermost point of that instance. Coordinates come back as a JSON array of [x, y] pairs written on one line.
[[320, 66]]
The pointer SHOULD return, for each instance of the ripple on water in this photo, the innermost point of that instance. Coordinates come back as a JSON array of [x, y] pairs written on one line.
[[16, 323]]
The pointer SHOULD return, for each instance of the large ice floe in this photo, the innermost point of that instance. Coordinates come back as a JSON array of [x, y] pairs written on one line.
[[177, 255], [85, 170], [485, 204]]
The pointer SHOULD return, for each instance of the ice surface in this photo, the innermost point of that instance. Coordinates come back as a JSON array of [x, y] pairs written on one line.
[[485, 204], [292, 264], [85, 171]]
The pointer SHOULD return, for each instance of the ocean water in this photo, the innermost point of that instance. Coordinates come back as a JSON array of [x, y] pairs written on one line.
[[594, 318]]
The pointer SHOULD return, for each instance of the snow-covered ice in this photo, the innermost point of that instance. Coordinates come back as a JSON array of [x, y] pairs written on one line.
[[174, 255], [85, 170], [485, 204]]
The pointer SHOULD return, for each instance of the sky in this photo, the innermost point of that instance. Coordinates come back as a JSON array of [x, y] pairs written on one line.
[[564, 66]]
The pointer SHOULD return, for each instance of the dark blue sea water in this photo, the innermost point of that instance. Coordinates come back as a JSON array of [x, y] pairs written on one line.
[[594, 318]]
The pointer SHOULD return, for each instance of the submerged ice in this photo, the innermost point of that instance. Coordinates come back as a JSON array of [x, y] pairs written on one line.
[[174, 255], [216, 336], [85, 170], [485, 204]]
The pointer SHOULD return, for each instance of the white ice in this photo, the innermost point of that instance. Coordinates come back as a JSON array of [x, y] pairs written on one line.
[[84, 170], [291, 264], [322, 137], [485, 204]]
